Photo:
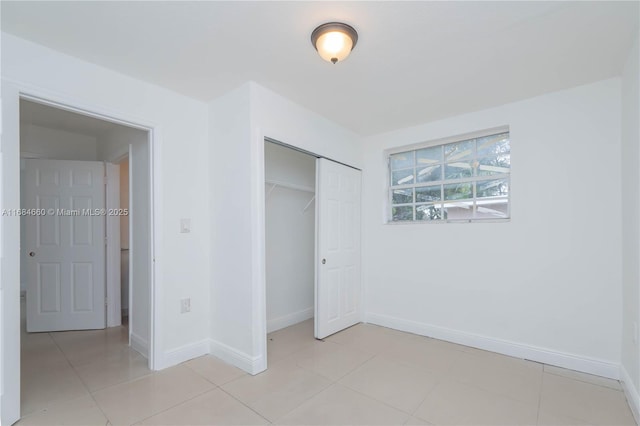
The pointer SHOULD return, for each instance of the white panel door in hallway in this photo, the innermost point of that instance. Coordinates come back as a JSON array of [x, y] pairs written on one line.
[[65, 244], [338, 257]]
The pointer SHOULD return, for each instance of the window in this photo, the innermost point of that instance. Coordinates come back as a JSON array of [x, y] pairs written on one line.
[[466, 180]]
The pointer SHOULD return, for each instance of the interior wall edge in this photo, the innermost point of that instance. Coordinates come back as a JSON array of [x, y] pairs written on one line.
[[185, 353], [630, 391], [515, 349], [140, 345], [251, 364]]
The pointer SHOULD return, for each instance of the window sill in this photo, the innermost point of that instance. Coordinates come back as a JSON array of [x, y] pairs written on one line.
[[442, 222]]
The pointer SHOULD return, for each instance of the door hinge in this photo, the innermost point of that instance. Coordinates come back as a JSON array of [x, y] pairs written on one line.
[[106, 302], [106, 242]]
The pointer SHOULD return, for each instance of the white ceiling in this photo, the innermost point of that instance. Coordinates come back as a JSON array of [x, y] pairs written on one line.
[[415, 61]]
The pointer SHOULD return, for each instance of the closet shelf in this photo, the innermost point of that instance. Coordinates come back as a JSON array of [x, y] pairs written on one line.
[[289, 186]]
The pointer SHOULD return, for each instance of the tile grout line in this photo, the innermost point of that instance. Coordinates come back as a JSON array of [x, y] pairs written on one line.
[[174, 406], [374, 399], [438, 381], [540, 395], [81, 381], [305, 401], [245, 405], [357, 367], [369, 396], [332, 382]]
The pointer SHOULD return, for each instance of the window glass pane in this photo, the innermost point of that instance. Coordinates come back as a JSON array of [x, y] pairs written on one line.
[[492, 188], [459, 151], [428, 193], [458, 170], [428, 212], [492, 208], [494, 165], [459, 210], [402, 196], [464, 180], [493, 145], [430, 174], [458, 191], [429, 155], [402, 177], [402, 160], [402, 213]]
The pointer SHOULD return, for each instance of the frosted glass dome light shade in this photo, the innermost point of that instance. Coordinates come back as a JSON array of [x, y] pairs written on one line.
[[334, 41]]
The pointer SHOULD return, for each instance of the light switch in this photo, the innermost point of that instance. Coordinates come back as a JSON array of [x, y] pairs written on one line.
[[185, 226]]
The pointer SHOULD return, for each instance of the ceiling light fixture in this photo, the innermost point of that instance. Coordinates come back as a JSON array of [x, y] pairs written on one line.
[[334, 41]]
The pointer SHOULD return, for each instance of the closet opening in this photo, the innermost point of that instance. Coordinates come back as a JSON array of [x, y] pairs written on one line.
[[290, 237]]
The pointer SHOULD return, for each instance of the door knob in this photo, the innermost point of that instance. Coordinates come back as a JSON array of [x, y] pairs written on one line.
[[324, 261], [32, 253]]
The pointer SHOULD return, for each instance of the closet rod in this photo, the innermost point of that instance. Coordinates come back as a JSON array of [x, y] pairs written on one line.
[[290, 185]]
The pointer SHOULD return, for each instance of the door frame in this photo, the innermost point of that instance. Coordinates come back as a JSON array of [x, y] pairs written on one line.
[[259, 246], [112, 265], [12, 93]]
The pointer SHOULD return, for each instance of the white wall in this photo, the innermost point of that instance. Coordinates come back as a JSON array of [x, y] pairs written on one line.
[[631, 227], [240, 121], [280, 119], [54, 144], [545, 285], [290, 236], [231, 298], [180, 151]]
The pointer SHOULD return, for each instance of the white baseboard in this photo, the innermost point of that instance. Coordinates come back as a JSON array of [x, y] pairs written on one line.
[[290, 319], [185, 353], [630, 391], [560, 359], [139, 344], [252, 365]]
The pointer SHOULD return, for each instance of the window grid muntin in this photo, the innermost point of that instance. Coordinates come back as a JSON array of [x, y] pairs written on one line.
[[474, 179]]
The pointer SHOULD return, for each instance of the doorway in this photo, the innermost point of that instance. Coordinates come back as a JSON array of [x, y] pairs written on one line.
[[290, 182], [312, 247], [67, 141]]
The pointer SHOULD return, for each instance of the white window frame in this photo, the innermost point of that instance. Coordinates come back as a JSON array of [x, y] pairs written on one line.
[[438, 142]]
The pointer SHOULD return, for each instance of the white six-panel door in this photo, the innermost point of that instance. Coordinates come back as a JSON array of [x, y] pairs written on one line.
[[64, 245], [338, 287]]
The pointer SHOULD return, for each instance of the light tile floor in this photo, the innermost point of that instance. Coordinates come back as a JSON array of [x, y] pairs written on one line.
[[363, 375]]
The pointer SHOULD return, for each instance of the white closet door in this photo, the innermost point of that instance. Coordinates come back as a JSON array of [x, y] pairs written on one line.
[[338, 286]]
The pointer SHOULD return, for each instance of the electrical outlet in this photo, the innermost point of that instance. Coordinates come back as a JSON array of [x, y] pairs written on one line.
[[185, 305]]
